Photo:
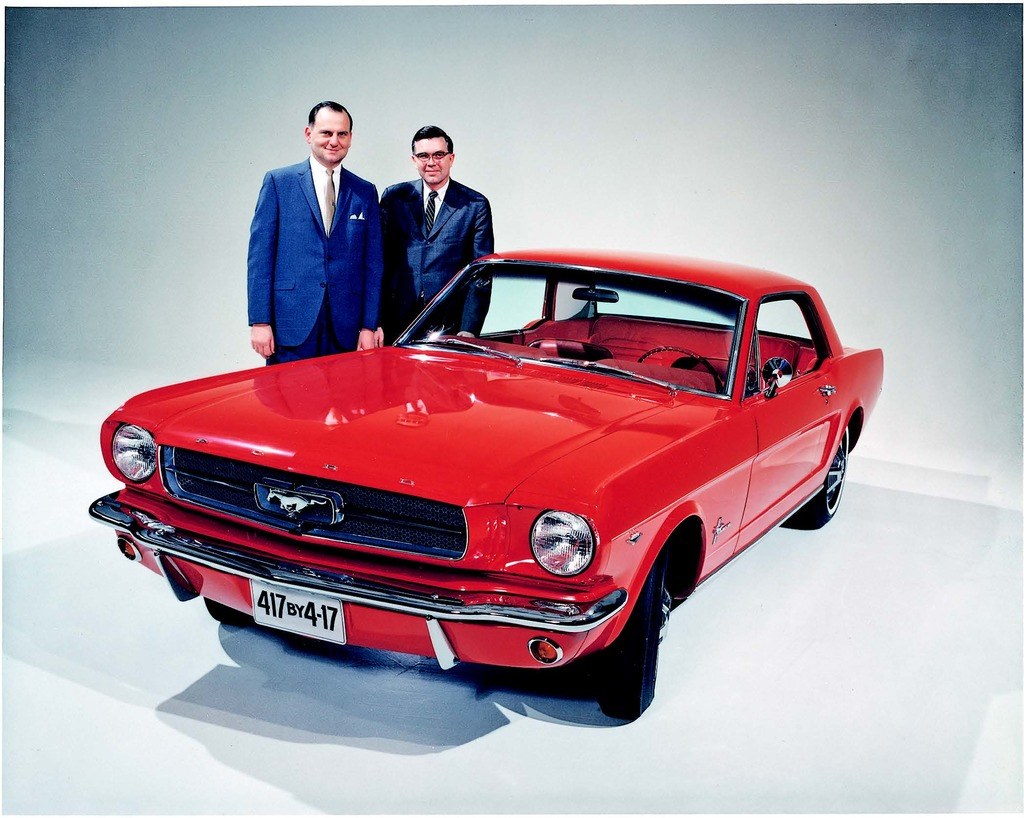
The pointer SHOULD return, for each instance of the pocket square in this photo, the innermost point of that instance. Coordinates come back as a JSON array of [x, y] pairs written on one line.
[[357, 217]]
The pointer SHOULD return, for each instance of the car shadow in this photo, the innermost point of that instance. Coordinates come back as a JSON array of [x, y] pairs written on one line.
[[74, 607], [810, 654], [295, 689]]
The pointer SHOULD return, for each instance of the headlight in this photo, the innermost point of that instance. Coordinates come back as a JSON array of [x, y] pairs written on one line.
[[134, 452], [562, 542]]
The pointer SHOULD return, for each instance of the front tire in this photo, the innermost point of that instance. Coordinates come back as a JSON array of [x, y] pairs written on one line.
[[630, 666], [823, 506]]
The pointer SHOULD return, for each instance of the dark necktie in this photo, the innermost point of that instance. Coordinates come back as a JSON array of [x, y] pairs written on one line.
[[431, 199]]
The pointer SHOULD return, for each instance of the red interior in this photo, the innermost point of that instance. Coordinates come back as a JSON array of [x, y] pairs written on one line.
[[801, 356], [660, 344], [627, 340]]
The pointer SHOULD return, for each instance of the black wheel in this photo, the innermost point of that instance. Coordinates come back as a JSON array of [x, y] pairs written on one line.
[[629, 667], [226, 615], [823, 506]]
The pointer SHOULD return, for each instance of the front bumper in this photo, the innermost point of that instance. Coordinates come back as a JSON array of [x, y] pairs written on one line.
[[166, 540]]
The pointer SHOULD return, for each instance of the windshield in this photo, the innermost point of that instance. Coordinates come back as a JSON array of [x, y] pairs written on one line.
[[624, 325]]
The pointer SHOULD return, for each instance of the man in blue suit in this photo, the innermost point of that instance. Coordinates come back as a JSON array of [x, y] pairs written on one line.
[[433, 228], [315, 258]]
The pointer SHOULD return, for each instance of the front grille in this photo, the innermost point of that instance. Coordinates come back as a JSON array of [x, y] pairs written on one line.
[[330, 509]]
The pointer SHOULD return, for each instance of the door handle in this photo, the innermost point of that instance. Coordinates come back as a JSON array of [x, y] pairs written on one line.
[[827, 391]]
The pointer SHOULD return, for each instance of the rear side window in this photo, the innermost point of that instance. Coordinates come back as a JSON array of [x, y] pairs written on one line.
[[787, 327], [783, 318]]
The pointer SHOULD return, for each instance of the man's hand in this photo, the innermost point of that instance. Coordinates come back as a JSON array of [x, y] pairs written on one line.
[[262, 339], [369, 339]]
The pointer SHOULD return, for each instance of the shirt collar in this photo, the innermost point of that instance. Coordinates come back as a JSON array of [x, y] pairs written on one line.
[[440, 192], [318, 169]]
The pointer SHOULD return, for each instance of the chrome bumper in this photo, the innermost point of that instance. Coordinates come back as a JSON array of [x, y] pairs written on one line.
[[166, 540]]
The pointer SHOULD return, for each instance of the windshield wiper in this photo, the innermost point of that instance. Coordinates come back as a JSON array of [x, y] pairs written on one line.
[[462, 343], [597, 366]]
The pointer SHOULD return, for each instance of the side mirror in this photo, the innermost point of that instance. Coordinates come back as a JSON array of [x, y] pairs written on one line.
[[776, 372]]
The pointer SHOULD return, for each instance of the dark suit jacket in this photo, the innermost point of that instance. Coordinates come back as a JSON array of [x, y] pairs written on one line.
[[417, 266], [293, 263]]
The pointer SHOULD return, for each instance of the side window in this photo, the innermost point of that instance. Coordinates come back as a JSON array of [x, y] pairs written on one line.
[[784, 318], [786, 328]]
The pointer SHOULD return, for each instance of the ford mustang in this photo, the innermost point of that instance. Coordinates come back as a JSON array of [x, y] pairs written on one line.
[[550, 459]]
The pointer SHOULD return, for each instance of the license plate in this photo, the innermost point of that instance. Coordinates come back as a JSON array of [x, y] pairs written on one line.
[[305, 612]]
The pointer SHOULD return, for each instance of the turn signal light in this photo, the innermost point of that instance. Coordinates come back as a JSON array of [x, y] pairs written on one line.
[[544, 650], [128, 548]]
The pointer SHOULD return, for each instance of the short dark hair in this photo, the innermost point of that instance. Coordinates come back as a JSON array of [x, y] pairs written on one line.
[[337, 107], [432, 132]]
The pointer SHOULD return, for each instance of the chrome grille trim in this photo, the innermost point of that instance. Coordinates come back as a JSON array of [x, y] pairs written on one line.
[[373, 517]]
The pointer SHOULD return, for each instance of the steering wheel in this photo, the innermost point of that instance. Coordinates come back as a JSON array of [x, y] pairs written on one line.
[[689, 360]]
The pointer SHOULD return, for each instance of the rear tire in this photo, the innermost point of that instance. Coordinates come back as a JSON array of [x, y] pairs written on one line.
[[823, 506], [629, 668], [226, 615]]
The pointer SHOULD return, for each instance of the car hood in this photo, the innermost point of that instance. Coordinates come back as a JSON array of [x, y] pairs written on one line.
[[451, 426]]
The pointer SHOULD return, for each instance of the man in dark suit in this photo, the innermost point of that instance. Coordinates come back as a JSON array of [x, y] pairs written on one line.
[[315, 258], [433, 228]]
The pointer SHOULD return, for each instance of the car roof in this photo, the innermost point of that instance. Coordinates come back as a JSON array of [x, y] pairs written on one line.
[[747, 282]]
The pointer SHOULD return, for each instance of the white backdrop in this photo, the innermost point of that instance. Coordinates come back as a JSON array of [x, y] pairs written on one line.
[[872, 150]]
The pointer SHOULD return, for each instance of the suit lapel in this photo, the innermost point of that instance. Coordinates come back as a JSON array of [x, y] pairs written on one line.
[[414, 202], [306, 183]]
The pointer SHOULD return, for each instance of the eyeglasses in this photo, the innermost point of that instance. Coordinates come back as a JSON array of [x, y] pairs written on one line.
[[426, 157]]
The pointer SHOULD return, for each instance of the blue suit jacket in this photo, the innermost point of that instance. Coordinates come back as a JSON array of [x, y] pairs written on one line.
[[293, 263], [416, 265]]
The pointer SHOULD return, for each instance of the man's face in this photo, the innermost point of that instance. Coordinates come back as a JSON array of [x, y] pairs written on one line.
[[329, 137], [434, 172]]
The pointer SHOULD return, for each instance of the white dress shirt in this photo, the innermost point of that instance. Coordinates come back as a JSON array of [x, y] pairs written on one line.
[[440, 197], [320, 184]]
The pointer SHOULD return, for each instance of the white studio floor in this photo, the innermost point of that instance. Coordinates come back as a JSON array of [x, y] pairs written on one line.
[[874, 666]]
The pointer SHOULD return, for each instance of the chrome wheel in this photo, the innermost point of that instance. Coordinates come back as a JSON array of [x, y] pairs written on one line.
[[836, 478], [823, 506], [666, 609]]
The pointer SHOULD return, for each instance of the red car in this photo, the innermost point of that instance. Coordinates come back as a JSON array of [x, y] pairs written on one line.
[[559, 450]]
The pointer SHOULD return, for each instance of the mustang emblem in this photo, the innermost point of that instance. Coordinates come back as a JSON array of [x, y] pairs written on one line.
[[311, 505], [295, 504], [720, 526]]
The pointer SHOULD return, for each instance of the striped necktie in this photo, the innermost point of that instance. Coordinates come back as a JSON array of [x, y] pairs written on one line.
[[431, 200]]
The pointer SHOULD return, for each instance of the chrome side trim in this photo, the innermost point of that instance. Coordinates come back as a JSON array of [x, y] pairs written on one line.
[[443, 650], [544, 614]]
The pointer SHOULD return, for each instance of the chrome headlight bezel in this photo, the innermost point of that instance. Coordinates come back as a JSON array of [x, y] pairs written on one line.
[[133, 451], [563, 543]]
